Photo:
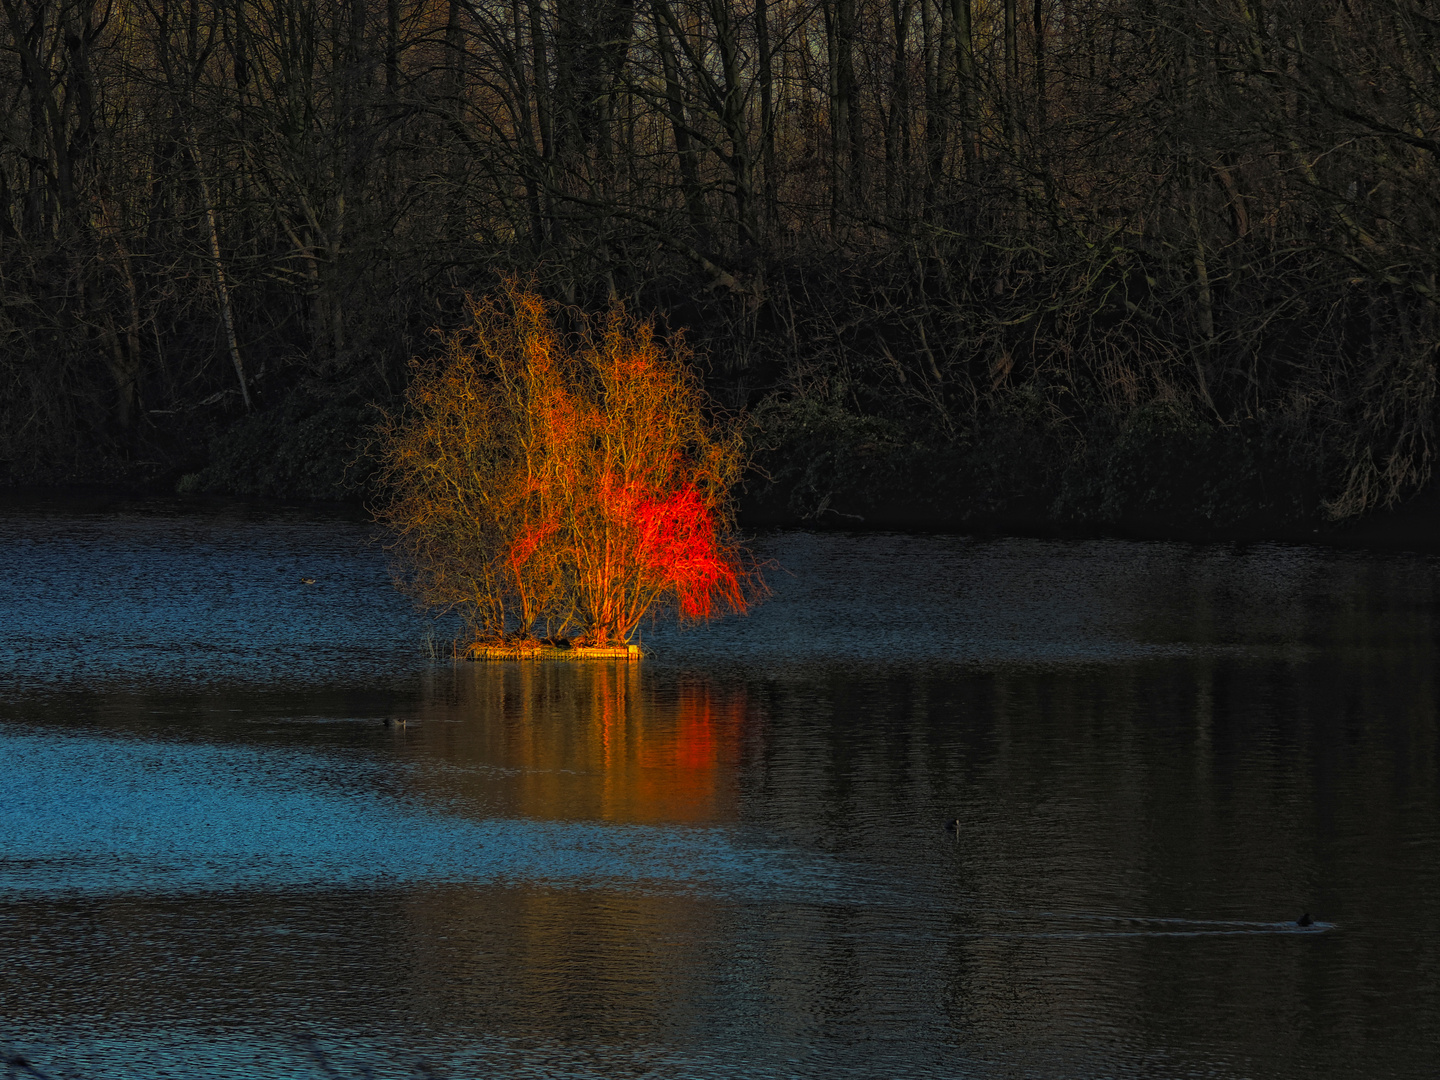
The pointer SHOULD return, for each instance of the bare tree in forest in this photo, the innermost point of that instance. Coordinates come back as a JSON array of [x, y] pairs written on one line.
[[933, 213]]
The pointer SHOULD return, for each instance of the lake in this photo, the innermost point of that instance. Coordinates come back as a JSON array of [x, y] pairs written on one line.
[[729, 860]]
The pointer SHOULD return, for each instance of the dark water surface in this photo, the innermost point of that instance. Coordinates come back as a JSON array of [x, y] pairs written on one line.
[[730, 860]]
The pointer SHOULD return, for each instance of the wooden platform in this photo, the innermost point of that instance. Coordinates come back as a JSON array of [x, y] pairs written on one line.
[[626, 653]]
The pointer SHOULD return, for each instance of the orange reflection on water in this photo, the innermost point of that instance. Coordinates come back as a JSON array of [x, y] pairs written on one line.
[[592, 741]]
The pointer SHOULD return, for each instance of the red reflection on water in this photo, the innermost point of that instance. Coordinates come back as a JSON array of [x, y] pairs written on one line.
[[593, 741]]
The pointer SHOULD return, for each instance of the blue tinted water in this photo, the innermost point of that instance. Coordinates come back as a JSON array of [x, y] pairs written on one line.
[[215, 859]]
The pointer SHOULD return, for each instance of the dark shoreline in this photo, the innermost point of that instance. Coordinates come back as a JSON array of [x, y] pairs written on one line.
[[1413, 525]]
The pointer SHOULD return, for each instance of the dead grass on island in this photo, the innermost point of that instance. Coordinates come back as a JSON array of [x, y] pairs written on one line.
[[545, 650]]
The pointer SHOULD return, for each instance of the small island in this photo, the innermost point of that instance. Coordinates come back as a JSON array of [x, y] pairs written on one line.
[[555, 489], [546, 650]]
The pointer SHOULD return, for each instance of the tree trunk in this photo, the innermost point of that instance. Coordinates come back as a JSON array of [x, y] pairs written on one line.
[[966, 90], [680, 128], [733, 117], [222, 289], [1012, 70], [767, 108], [1040, 88]]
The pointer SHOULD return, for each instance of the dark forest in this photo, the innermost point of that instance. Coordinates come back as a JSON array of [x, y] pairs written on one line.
[[1088, 261]]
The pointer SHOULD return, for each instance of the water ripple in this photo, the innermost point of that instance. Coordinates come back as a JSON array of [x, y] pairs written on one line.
[[161, 818]]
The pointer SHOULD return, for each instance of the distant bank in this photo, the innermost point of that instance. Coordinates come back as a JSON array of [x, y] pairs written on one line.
[[1413, 525]]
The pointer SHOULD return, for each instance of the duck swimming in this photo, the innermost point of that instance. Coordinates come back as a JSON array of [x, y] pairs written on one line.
[[1305, 920]]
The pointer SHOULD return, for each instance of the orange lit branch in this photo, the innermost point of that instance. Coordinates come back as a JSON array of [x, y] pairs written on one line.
[[566, 485]]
